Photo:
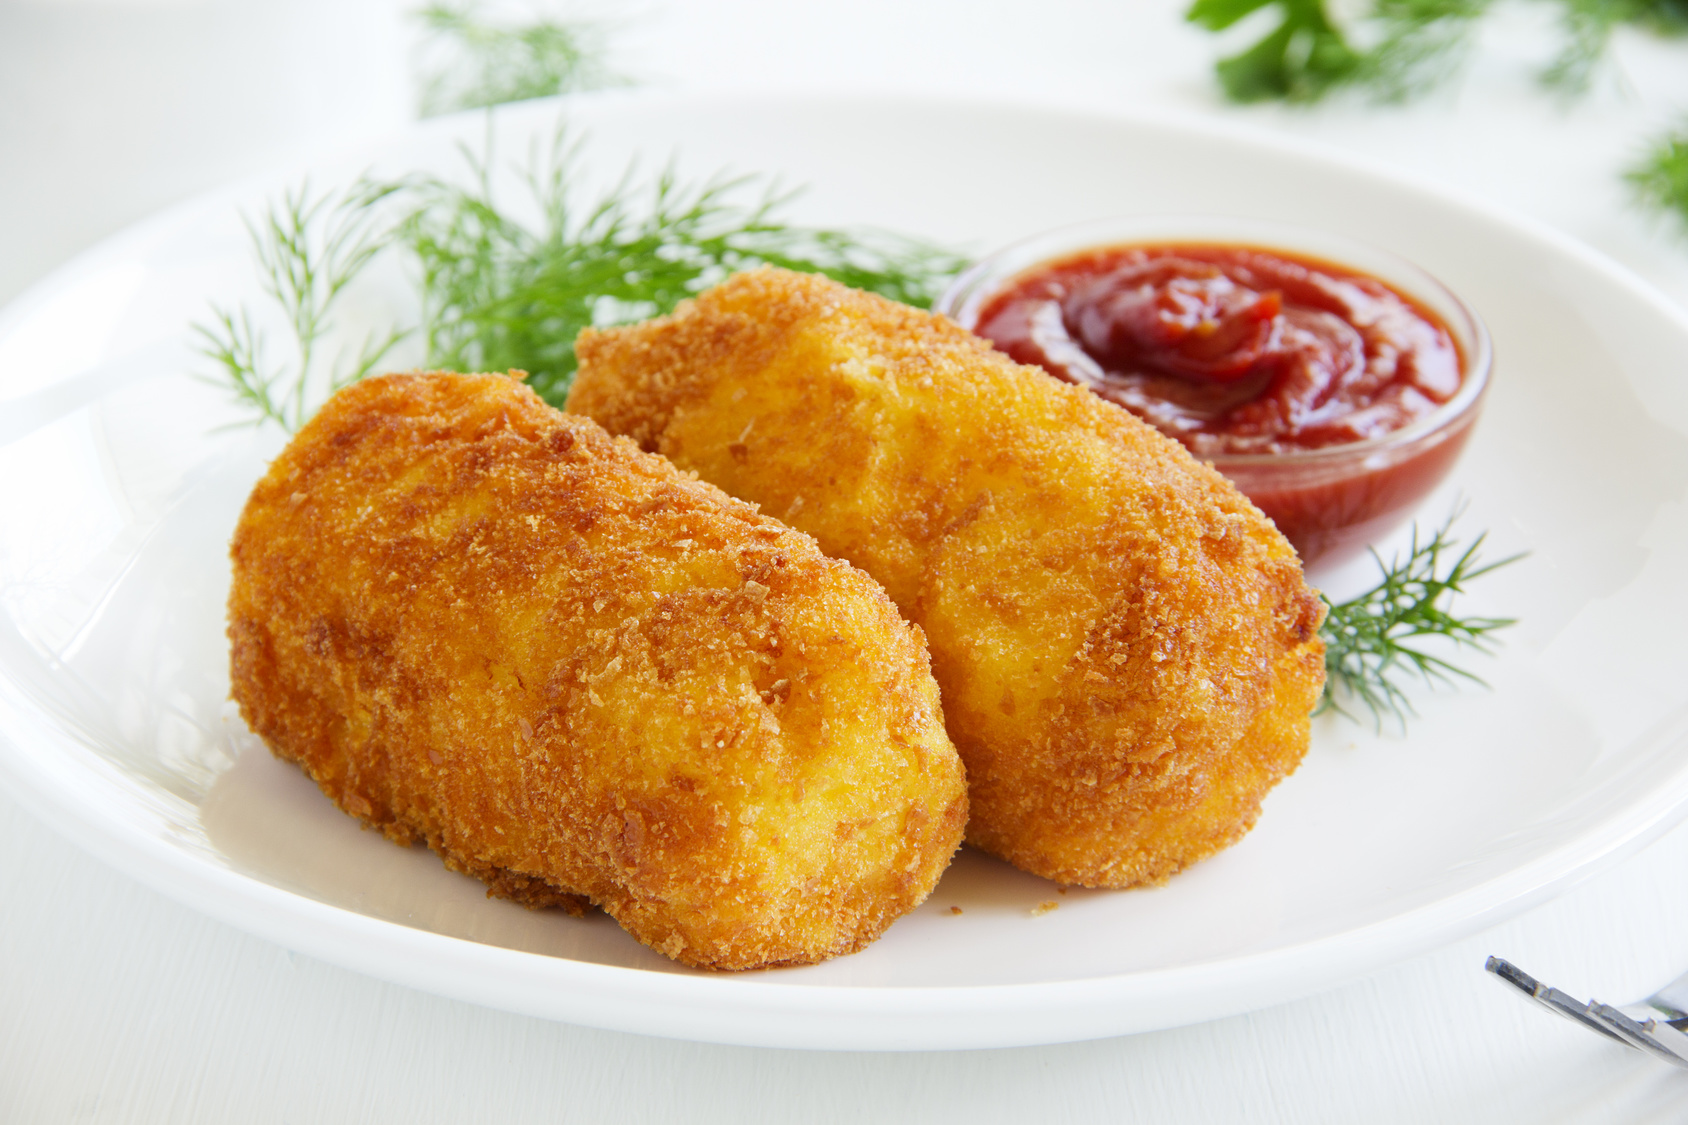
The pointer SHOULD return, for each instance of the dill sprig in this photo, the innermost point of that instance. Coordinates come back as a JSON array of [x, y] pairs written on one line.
[[1397, 49], [1660, 179], [308, 249], [476, 63], [1421, 44], [1371, 641], [1589, 24], [499, 295]]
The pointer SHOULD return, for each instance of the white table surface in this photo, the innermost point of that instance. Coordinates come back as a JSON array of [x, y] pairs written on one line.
[[117, 1005]]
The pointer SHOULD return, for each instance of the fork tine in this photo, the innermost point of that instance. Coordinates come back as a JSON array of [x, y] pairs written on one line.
[[1653, 1036], [1659, 1038], [1627, 1029], [1553, 1000]]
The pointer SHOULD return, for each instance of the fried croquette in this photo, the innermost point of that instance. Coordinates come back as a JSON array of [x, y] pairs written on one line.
[[1127, 650], [584, 676]]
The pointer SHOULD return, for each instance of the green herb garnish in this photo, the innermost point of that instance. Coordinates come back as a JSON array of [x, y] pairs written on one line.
[[1660, 179], [308, 249], [474, 63], [1371, 641], [1300, 60], [1396, 49], [497, 295], [1588, 28], [1420, 44]]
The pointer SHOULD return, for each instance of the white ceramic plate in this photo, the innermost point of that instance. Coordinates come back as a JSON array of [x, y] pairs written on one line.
[[118, 492]]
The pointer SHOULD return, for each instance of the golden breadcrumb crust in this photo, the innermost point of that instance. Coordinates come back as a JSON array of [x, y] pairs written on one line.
[[1127, 650], [581, 675]]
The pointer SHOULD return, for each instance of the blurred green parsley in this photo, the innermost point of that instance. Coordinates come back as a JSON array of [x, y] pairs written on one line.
[[1397, 49], [1660, 179]]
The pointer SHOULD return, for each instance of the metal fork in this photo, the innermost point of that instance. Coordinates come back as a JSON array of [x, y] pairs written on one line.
[[1656, 1025]]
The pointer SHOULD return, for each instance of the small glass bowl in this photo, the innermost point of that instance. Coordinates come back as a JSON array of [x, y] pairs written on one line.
[[1332, 502]]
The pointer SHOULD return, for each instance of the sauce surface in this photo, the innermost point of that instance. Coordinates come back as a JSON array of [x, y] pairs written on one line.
[[1230, 349]]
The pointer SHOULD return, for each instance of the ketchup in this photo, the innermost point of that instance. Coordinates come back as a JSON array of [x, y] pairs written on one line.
[[1238, 351], [1231, 349]]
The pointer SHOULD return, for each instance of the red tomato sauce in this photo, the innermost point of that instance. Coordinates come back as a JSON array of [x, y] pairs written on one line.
[[1231, 349]]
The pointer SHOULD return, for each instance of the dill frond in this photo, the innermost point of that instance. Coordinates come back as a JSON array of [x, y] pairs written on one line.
[[477, 63], [1660, 179], [308, 248], [1422, 44], [1588, 26], [1371, 641], [236, 347], [498, 295]]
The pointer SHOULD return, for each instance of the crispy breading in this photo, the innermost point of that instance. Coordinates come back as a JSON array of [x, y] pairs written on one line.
[[1126, 647], [583, 675]]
